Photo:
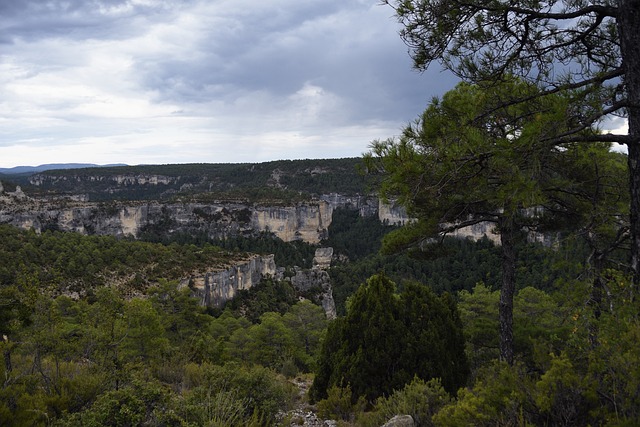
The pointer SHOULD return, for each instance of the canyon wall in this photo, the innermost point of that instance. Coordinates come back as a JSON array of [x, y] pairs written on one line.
[[214, 288], [306, 221]]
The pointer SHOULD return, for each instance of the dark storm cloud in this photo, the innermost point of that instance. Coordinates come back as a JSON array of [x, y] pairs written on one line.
[[280, 50], [37, 19]]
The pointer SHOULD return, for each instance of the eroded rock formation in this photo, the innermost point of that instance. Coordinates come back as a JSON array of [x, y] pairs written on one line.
[[214, 288], [317, 279]]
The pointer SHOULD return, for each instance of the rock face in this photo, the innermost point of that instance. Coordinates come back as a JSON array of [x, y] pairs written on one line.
[[322, 258], [317, 279], [136, 179], [476, 231], [307, 222], [366, 205], [392, 213], [214, 288]]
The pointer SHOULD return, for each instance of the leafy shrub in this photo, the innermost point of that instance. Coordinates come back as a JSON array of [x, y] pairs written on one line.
[[420, 399]]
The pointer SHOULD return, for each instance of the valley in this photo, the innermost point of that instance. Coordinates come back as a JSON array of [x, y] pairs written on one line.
[[214, 298]]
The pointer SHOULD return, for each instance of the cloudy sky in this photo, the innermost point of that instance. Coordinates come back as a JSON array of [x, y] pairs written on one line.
[[176, 81]]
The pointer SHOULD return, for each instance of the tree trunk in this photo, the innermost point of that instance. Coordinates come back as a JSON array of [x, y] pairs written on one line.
[[596, 296], [8, 367], [507, 240], [628, 20]]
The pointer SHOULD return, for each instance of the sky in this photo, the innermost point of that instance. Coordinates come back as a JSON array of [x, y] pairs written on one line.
[[203, 81]]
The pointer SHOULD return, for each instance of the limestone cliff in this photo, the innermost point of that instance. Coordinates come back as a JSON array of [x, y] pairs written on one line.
[[365, 205], [132, 179], [308, 222], [306, 280], [318, 279], [392, 213], [214, 288], [476, 231]]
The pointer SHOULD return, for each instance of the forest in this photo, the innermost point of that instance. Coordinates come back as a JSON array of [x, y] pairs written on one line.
[[135, 349]]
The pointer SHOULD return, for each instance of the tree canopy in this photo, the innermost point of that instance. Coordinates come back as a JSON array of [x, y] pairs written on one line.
[[587, 49], [387, 338], [459, 166]]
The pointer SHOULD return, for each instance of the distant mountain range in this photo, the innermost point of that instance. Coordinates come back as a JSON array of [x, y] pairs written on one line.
[[50, 166]]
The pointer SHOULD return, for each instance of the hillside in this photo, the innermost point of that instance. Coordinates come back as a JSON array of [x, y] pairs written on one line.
[[287, 180]]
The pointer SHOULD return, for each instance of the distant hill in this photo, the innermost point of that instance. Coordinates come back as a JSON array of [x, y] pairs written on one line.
[[282, 180], [51, 166]]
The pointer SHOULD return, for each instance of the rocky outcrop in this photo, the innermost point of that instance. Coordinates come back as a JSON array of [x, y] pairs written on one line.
[[400, 421], [477, 231], [305, 221], [387, 212], [365, 205], [214, 288], [322, 258], [317, 281], [391, 213]]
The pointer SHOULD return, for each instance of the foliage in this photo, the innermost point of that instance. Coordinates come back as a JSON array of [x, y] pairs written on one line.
[[288, 343], [116, 359], [146, 352], [338, 405], [355, 236], [540, 325], [386, 338], [459, 264], [499, 397], [478, 40], [472, 158], [580, 383], [141, 403], [492, 41], [71, 262], [257, 389], [307, 322], [451, 170], [267, 296], [286, 254], [420, 399]]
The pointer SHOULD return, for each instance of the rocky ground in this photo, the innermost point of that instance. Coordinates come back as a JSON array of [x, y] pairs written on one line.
[[303, 414]]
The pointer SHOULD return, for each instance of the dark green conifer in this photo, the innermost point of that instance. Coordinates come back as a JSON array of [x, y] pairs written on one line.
[[386, 338]]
